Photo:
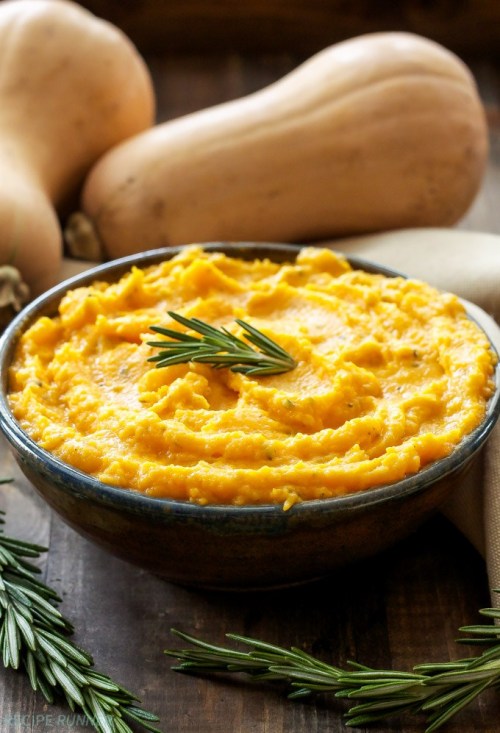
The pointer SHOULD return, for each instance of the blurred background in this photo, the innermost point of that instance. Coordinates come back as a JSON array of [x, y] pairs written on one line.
[[469, 27]]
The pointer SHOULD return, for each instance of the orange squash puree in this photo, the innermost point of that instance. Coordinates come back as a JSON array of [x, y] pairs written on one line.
[[391, 375]]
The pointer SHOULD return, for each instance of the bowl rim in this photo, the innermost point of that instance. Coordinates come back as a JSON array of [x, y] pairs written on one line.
[[84, 484]]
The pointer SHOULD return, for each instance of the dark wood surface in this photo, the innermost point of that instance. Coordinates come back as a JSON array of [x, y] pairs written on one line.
[[397, 609]]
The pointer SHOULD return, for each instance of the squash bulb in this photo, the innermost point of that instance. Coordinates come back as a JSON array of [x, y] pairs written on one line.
[[71, 87], [383, 131]]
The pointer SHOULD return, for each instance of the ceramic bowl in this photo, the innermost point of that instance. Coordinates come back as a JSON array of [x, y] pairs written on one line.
[[229, 547]]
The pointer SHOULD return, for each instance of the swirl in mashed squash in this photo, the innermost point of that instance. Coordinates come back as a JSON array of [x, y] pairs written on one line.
[[391, 375]]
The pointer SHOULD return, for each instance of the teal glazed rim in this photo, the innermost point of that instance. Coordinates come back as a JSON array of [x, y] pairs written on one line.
[[269, 517]]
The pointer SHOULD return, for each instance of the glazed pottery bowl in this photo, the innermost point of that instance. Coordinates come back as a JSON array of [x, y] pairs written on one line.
[[229, 547]]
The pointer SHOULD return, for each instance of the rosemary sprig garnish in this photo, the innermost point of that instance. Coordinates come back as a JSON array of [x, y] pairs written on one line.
[[439, 690], [34, 636], [220, 348]]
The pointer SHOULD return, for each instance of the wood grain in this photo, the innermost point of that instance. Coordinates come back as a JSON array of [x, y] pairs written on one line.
[[398, 609]]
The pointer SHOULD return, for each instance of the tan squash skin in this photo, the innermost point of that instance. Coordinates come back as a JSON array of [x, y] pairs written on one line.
[[378, 132], [71, 87]]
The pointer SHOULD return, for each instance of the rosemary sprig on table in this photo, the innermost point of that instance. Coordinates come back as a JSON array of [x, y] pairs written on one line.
[[438, 690], [34, 635], [220, 348]]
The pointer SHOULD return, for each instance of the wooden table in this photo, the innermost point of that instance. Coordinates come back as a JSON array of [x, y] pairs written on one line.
[[397, 609]]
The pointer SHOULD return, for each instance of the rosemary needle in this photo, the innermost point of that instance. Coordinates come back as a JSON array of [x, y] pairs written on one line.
[[439, 690], [220, 348], [34, 636]]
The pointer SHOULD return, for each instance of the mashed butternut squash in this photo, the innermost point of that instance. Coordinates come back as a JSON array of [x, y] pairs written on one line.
[[391, 375]]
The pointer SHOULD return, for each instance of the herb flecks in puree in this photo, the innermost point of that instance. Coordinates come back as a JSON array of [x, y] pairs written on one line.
[[390, 375]]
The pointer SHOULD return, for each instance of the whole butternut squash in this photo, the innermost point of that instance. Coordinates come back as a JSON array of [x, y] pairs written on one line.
[[378, 132], [71, 86]]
